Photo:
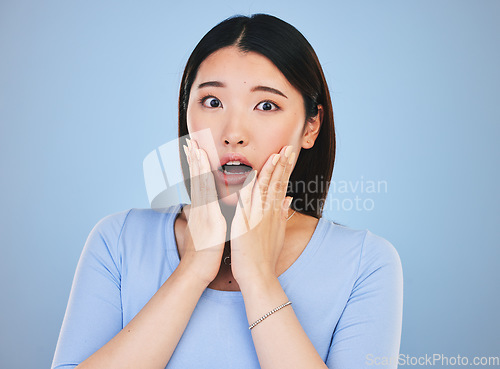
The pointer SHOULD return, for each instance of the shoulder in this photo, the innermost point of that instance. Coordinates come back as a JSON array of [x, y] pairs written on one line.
[[112, 222], [364, 251], [370, 246], [108, 228], [135, 215], [113, 227], [344, 243], [128, 231], [379, 264], [379, 251]]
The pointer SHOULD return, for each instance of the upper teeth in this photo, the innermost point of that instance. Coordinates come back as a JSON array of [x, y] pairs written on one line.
[[233, 163]]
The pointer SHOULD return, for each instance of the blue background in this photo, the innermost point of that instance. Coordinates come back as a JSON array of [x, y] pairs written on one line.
[[89, 88]]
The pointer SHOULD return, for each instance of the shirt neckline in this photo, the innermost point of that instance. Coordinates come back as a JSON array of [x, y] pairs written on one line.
[[236, 296]]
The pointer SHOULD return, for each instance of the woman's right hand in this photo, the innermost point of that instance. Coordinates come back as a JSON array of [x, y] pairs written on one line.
[[206, 227]]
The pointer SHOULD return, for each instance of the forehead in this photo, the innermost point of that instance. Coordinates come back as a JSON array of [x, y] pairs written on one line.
[[232, 66]]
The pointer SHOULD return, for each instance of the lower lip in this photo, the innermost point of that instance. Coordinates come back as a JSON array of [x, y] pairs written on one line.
[[232, 179]]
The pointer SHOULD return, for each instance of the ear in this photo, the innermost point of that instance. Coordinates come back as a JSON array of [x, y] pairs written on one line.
[[312, 128]]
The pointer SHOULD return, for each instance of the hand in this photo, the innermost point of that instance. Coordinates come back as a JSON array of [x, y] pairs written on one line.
[[258, 226], [206, 228]]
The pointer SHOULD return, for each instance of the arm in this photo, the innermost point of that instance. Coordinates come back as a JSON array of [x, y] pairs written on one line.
[[279, 340], [92, 325], [92, 331], [368, 332], [371, 321], [149, 340], [257, 237]]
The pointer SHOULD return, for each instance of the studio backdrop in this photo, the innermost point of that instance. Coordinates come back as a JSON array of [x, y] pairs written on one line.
[[89, 89]]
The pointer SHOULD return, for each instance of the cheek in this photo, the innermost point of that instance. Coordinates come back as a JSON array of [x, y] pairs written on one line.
[[286, 133], [193, 119], [198, 120], [272, 140], [202, 131]]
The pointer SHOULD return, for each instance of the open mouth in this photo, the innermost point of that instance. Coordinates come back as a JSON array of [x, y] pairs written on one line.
[[234, 170], [235, 167]]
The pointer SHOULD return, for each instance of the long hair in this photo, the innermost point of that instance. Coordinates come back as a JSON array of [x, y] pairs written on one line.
[[292, 54]]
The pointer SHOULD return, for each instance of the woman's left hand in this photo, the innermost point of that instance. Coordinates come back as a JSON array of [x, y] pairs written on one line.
[[258, 226]]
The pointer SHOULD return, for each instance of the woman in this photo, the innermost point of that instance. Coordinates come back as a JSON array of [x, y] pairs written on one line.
[[211, 284]]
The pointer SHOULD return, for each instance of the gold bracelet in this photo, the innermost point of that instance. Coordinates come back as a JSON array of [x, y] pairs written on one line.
[[266, 315]]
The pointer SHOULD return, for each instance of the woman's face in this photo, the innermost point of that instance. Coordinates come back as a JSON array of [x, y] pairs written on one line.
[[251, 110]]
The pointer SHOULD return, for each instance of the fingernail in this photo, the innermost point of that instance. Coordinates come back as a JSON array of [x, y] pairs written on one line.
[[288, 151], [189, 143], [292, 158], [276, 157]]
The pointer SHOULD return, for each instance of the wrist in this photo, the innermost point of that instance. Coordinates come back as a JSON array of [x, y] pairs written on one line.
[[186, 271], [260, 283]]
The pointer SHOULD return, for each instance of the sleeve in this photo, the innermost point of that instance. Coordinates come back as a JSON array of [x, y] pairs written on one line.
[[368, 332], [94, 312]]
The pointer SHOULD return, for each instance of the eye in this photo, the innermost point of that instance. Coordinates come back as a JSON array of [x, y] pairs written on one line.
[[210, 102], [268, 106]]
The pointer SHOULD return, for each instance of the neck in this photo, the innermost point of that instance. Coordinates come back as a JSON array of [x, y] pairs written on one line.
[[225, 279]]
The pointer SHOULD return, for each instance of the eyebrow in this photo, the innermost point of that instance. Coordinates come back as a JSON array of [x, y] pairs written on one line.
[[256, 88]]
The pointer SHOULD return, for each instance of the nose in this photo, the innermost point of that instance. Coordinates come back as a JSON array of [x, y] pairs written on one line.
[[233, 142], [235, 133]]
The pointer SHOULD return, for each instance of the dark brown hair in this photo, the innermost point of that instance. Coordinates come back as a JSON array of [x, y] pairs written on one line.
[[292, 54]]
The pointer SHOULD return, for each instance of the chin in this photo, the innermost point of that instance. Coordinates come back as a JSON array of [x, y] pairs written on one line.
[[229, 200], [228, 195]]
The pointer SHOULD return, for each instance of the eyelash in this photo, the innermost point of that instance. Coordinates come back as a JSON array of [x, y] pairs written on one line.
[[204, 98]]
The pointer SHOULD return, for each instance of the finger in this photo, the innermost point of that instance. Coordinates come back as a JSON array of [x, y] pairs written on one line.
[[285, 207], [245, 194], [257, 207], [275, 189], [194, 172], [189, 161], [190, 158], [286, 174], [244, 206], [202, 157], [206, 190], [186, 151], [207, 178], [265, 176]]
